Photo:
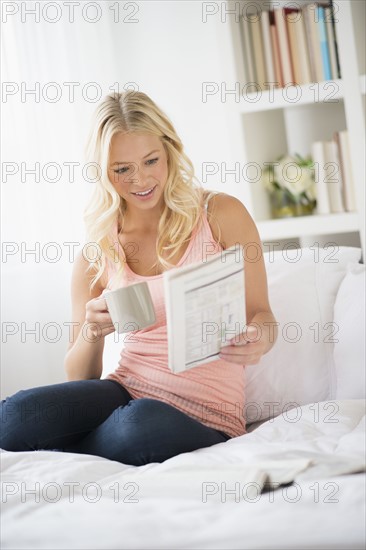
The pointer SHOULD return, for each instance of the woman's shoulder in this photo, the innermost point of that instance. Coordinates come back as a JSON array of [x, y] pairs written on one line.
[[219, 200], [228, 217], [221, 204]]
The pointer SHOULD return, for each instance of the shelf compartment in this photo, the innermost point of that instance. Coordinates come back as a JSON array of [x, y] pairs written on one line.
[[268, 135]]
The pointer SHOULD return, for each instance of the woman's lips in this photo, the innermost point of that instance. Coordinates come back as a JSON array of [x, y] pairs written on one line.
[[147, 196]]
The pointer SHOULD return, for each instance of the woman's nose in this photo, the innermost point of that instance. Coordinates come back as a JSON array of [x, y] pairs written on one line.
[[141, 176]]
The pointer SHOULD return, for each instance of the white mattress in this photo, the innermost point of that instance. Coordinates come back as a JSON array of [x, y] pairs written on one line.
[[210, 498]]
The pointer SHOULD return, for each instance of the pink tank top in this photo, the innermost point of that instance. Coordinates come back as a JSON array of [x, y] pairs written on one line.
[[212, 393]]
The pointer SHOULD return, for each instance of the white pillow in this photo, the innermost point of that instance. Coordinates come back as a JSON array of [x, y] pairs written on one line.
[[349, 351], [299, 369]]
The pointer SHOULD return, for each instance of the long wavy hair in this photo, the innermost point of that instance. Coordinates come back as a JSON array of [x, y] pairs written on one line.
[[129, 112]]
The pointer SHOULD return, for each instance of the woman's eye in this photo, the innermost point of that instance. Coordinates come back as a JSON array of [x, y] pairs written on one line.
[[125, 169], [121, 170]]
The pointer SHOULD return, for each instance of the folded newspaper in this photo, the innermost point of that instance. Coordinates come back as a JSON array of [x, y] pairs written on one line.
[[205, 308]]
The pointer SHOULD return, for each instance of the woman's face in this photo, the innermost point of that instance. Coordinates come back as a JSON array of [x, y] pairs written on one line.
[[138, 163]]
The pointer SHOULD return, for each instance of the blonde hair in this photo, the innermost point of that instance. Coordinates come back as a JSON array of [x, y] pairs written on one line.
[[129, 112]]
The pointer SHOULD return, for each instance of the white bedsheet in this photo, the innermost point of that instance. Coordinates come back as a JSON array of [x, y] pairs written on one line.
[[209, 499]]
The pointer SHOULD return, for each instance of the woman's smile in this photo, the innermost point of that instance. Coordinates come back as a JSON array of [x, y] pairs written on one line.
[[145, 195]]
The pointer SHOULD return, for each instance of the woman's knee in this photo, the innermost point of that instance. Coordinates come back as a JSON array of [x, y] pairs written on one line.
[[13, 411], [24, 415], [145, 410], [148, 430], [148, 405]]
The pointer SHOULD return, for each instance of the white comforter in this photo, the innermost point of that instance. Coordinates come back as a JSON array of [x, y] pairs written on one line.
[[226, 496]]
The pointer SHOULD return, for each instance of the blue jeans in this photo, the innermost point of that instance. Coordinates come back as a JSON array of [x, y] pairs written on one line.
[[99, 417]]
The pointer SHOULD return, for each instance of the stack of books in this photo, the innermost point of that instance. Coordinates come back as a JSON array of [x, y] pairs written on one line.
[[333, 175], [291, 46]]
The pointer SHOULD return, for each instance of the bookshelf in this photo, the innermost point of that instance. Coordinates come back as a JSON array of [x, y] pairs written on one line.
[[265, 125]]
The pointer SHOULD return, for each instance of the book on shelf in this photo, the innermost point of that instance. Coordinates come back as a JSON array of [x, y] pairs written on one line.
[[258, 51], [268, 49], [291, 16], [298, 46], [291, 45], [322, 198], [308, 26], [312, 26], [333, 175], [205, 308], [276, 52], [331, 43], [324, 49], [333, 35], [348, 191], [284, 46], [248, 49]]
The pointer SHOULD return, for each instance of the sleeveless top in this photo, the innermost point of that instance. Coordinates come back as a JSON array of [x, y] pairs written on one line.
[[212, 393]]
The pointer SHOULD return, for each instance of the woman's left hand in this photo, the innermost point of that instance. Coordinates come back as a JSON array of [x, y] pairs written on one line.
[[246, 348]]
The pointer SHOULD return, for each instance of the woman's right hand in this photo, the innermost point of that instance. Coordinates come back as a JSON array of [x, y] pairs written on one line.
[[97, 318]]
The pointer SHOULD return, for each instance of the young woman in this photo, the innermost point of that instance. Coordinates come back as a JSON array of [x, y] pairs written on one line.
[[146, 215]]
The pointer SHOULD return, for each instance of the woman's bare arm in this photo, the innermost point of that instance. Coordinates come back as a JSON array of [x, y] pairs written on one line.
[[237, 226], [84, 358]]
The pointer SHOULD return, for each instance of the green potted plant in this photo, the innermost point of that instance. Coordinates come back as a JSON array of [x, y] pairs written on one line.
[[290, 183]]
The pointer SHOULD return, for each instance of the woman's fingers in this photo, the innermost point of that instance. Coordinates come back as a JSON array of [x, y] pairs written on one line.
[[247, 354], [245, 349], [98, 330], [97, 318], [97, 304]]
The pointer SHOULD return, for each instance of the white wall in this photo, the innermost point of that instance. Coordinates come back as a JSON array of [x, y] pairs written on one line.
[[167, 53]]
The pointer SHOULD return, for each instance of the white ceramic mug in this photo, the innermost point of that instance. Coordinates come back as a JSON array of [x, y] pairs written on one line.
[[131, 307]]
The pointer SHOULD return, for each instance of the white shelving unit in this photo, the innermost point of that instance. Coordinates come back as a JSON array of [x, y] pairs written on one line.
[[263, 127]]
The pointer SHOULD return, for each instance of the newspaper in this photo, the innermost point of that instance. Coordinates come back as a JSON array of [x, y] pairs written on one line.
[[205, 308]]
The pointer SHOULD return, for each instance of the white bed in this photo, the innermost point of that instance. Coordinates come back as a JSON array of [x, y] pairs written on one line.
[[295, 480]]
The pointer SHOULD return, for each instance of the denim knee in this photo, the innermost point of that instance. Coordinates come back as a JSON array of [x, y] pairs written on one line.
[[137, 427], [12, 416], [142, 410], [148, 430]]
